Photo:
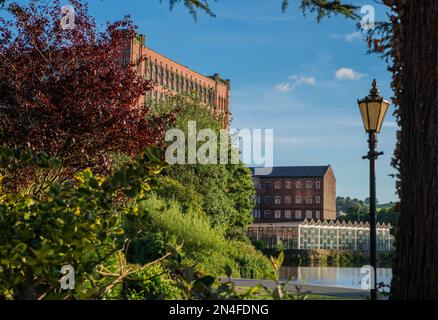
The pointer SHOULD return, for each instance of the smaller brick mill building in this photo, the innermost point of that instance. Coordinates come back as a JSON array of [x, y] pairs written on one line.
[[295, 194]]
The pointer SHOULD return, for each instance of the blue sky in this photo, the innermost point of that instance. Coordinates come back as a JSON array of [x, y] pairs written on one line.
[[288, 73]]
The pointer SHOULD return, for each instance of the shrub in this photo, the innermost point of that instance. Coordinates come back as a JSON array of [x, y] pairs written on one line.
[[153, 283], [163, 223], [72, 223]]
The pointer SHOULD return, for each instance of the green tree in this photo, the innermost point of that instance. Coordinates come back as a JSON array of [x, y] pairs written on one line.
[[206, 207], [388, 215], [223, 191], [367, 201]]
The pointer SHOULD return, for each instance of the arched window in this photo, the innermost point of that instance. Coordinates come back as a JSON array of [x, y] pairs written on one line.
[[166, 77], [148, 70], [160, 75], [146, 66], [174, 86], [154, 71]]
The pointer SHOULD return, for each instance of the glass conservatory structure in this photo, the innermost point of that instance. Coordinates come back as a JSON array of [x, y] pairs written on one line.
[[317, 234]]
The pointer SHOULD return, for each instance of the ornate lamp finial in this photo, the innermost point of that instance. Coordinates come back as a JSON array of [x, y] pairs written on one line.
[[374, 91]]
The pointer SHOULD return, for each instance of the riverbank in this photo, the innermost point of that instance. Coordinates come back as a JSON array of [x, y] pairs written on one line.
[[329, 258], [315, 292]]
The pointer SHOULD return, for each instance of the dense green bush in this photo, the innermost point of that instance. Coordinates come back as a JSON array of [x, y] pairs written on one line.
[[76, 222], [204, 246], [154, 283]]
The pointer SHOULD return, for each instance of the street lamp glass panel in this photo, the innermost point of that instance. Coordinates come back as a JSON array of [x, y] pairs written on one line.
[[363, 107], [374, 109], [384, 105], [373, 113]]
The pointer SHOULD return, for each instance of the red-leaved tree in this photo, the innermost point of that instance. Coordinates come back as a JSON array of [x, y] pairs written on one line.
[[65, 91]]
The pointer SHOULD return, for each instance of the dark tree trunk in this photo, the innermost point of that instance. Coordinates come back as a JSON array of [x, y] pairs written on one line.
[[28, 286], [415, 274]]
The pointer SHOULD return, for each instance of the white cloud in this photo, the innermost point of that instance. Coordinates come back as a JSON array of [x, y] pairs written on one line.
[[283, 87], [296, 79], [348, 73], [299, 79], [352, 36]]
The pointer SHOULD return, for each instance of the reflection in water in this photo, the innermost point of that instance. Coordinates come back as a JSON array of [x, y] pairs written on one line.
[[332, 276]]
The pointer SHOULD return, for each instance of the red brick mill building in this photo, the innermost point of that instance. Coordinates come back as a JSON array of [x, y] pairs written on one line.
[[172, 78], [295, 194]]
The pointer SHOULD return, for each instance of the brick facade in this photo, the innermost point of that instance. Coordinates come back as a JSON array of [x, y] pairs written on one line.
[[171, 78], [329, 204], [296, 197]]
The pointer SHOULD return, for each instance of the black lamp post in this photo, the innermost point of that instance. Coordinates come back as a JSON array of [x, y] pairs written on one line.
[[373, 110]]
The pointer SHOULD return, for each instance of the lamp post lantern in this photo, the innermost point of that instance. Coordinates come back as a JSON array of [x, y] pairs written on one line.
[[373, 109]]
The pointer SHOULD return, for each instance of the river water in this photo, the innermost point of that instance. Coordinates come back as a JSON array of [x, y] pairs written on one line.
[[332, 276]]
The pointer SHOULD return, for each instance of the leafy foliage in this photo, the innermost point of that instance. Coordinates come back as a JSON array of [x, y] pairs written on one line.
[[350, 206], [380, 39], [74, 223], [224, 199], [322, 7], [193, 6], [66, 92], [358, 210], [163, 225], [325, 8], [153, 283], [223, 191]]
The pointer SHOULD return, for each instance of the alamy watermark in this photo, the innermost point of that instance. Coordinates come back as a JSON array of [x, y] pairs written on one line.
[[68, 20], [205, 147], [68, 280], [368, 21], [368, 276]]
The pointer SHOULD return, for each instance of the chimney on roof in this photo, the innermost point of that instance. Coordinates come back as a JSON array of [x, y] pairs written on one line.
[[142, 39]]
